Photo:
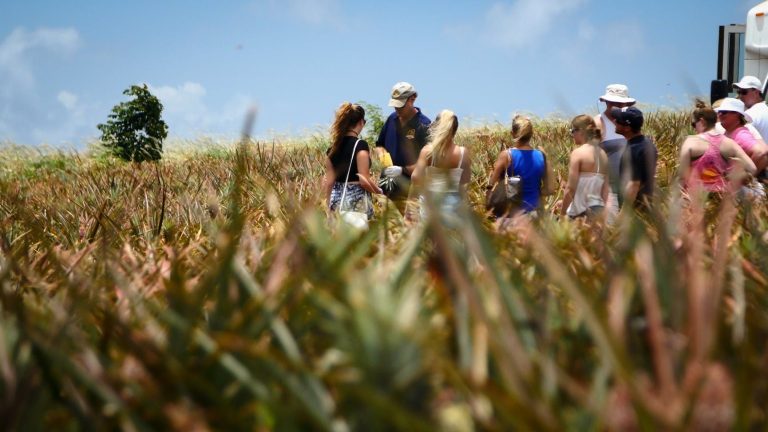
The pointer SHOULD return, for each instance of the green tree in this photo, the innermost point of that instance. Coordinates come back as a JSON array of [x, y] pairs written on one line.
[[375, 121], [135, 130]]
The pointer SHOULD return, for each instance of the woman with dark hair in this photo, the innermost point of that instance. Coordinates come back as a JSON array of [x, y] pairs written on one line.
[[347, 168], [706, 158], [586, 192], [527, 163]]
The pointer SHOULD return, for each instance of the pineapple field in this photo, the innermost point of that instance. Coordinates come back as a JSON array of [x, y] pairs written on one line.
[[209, 291]]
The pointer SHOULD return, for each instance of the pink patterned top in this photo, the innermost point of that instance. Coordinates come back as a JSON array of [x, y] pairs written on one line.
[[709, 169]]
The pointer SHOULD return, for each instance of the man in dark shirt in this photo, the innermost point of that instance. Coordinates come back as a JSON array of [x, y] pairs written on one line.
[[638, 164], [404, 135]]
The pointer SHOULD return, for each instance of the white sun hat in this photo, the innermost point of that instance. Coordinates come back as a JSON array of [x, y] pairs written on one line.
[[618, 93], [734, 105], [749, 82]]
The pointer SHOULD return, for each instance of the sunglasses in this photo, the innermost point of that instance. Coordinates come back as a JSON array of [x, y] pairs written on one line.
[[742, 92], [574, 130], [722, 113]]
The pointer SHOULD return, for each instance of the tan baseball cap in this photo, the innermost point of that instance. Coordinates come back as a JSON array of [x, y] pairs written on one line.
[[400, 93]]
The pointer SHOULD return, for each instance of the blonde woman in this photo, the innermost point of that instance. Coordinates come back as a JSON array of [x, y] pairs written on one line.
[[348, 163], [586, 191], [531, 165], [443, 168]]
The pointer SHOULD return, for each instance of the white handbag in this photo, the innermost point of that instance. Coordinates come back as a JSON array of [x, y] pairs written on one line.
[[355, 219]]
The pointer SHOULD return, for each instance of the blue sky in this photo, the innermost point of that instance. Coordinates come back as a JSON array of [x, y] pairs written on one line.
[[64, 64]]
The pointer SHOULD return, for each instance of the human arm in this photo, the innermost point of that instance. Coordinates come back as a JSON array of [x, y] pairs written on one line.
[[752, 145], [548, 182], [605, 190], [631, 190], [363, 172], [328, 179], [466, 169], [685, 160], [420, 168], [730, 150], [760, 155], [573, 181], [598, 119], [501, 164]]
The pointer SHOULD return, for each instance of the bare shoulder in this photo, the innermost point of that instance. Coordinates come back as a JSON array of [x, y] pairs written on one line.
[[466, 150], [598, 119], [585, 153]]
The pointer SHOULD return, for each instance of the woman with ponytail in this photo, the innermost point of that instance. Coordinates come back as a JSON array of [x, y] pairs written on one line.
[[343, 168], [443, 168], [706, 158], [527, 163], [587, 189]]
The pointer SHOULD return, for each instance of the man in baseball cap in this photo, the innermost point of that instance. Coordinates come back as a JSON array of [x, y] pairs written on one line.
[[638, 164], [750, 91], [628, 116], [401, 92], [403, 136]]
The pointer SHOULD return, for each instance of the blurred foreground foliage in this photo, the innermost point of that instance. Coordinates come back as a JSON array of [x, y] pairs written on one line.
[[209, 292]]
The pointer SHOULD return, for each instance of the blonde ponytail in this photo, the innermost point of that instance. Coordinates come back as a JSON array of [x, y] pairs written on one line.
[[441, 133]]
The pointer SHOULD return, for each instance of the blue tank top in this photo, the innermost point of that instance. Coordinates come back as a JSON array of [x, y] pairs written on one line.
[[529, 165]]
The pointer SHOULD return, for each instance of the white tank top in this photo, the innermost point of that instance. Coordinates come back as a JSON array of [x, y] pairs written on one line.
[[588, 191], [609, 129], [441, 180]]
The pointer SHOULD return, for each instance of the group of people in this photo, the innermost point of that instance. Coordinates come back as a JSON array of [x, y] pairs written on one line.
[[612, 165]]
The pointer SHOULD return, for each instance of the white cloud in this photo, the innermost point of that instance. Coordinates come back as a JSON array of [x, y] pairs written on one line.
[[24, 112], [183, 103], [67, 99], [187, 112], [525, 21], [18, 46]]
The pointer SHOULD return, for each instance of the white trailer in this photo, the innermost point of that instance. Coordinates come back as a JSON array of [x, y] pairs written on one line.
[[742, 50]]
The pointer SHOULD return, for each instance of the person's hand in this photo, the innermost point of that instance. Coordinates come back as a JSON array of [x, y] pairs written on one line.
[[738, 173], [368, 184], [557, 207]]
